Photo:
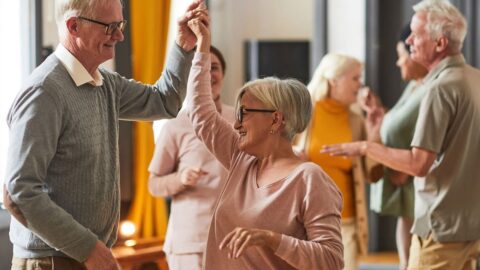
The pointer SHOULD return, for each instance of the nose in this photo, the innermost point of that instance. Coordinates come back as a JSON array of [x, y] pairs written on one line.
[[237, 125], [118, 35], [400, 62], [409, 40]]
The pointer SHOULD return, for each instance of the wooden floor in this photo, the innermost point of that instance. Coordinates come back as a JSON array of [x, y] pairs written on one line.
[[380, 258]]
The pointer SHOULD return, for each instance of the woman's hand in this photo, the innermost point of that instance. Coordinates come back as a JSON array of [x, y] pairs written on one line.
[[241, 238], [190, 176], [346, 149], [368, 100], [399, 178], [374, 123], [199, 25]]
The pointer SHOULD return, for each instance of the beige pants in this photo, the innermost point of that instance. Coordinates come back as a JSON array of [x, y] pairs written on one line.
[[429, 254], [190, 261], [350, 245], [46, 263]]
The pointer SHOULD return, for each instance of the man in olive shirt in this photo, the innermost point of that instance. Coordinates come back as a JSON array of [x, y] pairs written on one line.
[[445, 150]]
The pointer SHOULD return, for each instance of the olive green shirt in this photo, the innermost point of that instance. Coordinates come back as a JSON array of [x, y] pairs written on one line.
[[447, 199]]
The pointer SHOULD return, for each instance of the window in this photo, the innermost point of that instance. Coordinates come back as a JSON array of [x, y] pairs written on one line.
[[13, 67]]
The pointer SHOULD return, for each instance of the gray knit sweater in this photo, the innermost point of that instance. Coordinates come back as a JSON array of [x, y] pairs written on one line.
[[63, 162]]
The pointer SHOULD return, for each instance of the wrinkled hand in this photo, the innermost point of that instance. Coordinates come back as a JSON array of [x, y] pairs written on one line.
[[101, 258], [399, 178], [190, 176], [368, 100], [202, 33], [13, 208], [345, 149], [186, 38], [241, 238], [374, 123]]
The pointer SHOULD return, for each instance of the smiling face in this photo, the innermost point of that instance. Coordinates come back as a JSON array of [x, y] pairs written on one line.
[[344, 88], [422, 46], [92, 42], [255, 126], [216, 73]]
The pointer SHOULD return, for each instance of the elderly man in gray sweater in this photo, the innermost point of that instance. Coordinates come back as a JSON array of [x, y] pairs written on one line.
[[62, 182]]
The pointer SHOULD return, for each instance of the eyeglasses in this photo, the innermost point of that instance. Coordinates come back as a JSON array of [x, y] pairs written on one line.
[[109, 28], [242, 110]]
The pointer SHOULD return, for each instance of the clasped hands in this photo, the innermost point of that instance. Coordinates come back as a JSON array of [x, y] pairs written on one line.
[[196, 14]]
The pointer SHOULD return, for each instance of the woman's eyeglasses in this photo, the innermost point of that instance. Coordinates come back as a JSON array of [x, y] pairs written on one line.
[[242, 110]]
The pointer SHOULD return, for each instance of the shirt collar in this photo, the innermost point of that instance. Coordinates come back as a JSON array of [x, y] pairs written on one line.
[[76, 70], [450, 61]]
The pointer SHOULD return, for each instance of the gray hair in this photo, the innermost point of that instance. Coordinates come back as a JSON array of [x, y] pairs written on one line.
[[288, 96], [65, 9], [332, 66], [444, 19]]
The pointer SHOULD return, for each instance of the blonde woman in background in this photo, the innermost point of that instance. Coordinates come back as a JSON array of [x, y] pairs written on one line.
[[334, 88]]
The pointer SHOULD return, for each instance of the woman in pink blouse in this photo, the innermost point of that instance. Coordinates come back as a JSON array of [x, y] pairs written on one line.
[[274, 211]]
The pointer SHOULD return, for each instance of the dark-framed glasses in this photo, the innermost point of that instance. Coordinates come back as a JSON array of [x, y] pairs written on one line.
[[242, 110], [109, 27]]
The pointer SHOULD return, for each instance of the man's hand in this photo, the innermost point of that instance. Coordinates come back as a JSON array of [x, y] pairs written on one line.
[[101, 258], [190, 176], [352, 149], [186, 38], [12, 207], [241, 238]]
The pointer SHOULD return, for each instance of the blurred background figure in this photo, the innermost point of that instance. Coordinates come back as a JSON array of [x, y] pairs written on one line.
[[393, 194], [334, 88], [182, 168]]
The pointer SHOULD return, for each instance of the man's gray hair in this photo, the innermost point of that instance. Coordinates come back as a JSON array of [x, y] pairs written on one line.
[[444, 19], [288, 96], [65, 9]]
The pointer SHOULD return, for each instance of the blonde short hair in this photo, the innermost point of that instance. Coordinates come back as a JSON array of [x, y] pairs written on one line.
[[65, 9], [332, 66], [444, 19], [287, 96]]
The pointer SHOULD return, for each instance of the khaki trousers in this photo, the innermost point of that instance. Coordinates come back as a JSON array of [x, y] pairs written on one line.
[[46, 263], [427, 254]]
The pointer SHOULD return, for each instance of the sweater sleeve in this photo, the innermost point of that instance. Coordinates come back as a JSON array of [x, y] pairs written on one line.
[[323, 247], [35, 122], [213, 130], [164, 99]]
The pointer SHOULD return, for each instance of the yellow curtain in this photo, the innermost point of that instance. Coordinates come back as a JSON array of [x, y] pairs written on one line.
[[149, 27]]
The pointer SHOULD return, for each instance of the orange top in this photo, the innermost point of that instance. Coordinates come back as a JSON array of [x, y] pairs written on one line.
[[330, 126]]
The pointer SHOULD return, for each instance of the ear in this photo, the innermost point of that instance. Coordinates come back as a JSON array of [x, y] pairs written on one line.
[[72, 25], [278, 120], [442, 44]]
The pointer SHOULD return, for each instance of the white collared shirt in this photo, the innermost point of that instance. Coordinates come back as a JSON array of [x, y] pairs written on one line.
[[76, 70]]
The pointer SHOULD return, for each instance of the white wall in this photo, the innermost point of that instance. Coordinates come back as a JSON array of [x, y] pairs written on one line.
[[346, 27], [234, 22]]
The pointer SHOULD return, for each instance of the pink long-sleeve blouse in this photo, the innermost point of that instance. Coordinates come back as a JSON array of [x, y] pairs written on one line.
[[304, 207]]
